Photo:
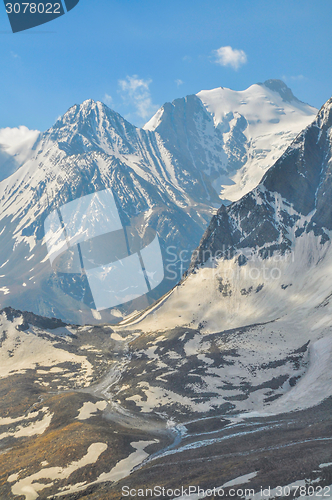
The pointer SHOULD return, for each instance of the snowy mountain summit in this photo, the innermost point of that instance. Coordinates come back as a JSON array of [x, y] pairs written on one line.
[[233, 136]]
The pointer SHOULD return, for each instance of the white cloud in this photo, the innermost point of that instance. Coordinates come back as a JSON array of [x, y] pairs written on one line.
[[227, 56], [16, 143], [108, 99], [12, 138], [178, 82], [135, 91]]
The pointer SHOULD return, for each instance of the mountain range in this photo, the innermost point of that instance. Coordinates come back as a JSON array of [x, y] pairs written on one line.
[[224, 382], [170, 176]]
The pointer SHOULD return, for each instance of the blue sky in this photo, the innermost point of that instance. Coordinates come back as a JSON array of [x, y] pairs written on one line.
[[137, 54]]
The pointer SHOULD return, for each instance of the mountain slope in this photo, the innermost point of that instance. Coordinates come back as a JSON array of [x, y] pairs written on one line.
[[259, 291], [283, 223], [220, 376]]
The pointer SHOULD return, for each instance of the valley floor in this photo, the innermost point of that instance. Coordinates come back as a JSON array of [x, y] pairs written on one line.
[[70, 427]]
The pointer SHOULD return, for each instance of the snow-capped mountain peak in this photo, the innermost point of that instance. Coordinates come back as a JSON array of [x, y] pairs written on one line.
[[92, 125], [271, 102], [243, 132]]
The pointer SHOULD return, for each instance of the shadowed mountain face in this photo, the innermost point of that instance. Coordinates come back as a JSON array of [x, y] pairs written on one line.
[[166, 178], [293, 198]]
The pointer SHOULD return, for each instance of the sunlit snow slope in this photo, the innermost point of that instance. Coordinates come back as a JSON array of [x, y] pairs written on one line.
[[268, 254]]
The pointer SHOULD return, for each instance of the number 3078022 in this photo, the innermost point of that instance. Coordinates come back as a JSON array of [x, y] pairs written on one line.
[[33, 8]]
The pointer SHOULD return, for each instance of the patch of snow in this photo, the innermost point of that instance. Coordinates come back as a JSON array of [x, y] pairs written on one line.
[[90, 409], [153, 123], [120, 471], [33, 429], [240, 480], [96, 314]]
